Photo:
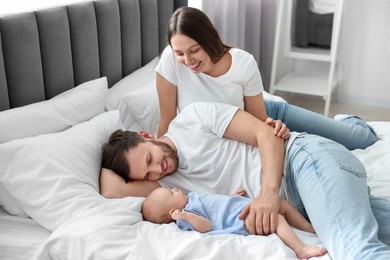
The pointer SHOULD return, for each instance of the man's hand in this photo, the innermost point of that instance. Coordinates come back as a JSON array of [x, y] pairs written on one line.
[[261, 215], [280, 128]]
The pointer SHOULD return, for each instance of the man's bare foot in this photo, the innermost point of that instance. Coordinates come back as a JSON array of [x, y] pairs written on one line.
[[310, 251]]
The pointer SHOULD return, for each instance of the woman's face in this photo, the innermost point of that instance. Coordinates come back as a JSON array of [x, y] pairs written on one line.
[[190, 53]]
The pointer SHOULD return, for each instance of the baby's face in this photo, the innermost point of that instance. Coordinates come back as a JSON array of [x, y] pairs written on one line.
[[174, 198]]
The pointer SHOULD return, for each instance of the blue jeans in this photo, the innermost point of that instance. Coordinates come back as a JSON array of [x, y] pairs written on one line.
[[327, 184], [352, 132]]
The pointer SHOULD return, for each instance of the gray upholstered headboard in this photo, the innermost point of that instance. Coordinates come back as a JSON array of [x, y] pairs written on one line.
[[49, 51]]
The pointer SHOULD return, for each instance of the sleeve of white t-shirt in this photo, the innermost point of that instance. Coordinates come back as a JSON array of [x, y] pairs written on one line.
[[254, 84], [167, 66], [214, 117]]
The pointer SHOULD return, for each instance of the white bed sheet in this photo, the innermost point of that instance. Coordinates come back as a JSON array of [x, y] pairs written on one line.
[[20, 237], [116, 233]]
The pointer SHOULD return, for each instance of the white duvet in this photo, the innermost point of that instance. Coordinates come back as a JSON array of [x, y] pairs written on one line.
[[115, 230]]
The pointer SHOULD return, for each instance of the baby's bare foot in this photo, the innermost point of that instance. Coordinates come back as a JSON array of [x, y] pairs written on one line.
[[310, 251]]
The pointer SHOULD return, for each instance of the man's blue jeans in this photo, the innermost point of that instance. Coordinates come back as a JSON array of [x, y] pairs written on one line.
[[352, 132], [327, 183]]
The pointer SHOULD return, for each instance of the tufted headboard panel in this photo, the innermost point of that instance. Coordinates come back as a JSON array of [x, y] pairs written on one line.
[[47, 52]]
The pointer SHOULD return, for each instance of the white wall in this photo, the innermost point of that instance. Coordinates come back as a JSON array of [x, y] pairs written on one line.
[[365, 53]]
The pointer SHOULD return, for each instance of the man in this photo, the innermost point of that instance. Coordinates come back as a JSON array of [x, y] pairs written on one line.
[[218, 148]]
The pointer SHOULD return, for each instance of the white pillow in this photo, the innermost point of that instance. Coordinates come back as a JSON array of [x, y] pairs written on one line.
[[10, 204], [63, 111], [142, 105], [55, 177], [57, 114], [131, 82]]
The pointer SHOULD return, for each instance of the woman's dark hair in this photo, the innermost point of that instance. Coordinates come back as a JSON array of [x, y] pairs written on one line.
[[195, 24], [114, 151]]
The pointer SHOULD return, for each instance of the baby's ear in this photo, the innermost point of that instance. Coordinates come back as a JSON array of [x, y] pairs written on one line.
[[171, 212]]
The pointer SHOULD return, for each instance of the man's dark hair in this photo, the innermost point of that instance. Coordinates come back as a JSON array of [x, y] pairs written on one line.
[[114, 151]]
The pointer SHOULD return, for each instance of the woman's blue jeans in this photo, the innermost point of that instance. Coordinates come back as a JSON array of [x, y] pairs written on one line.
[[327, 184], [352, 132]]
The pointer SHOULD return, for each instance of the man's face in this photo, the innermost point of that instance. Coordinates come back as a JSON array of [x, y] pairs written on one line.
[[151, 160]]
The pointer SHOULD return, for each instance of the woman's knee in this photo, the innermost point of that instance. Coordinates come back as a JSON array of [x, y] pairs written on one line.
[[276, 109]]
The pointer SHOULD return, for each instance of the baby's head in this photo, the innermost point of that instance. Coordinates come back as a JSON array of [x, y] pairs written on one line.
[[158, 205]]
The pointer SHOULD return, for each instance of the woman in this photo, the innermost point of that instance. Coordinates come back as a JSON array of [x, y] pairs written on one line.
[[198, 66]]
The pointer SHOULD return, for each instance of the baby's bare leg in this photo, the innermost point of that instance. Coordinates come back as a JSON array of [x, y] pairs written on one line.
[[294, 218], [288, 237]]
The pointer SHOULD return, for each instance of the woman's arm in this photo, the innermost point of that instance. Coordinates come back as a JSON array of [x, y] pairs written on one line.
[[167, 96], [262, 213], [254, 105], [114, 186], [199, 223]]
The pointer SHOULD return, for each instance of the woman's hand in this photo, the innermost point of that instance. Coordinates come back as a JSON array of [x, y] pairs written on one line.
[[261, 215], [281, 129]]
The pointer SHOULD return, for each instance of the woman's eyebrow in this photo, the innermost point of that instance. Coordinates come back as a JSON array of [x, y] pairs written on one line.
[[192, 46]]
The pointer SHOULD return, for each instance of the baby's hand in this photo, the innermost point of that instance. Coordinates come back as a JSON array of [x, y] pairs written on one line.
[[240, 192], [177, 214]]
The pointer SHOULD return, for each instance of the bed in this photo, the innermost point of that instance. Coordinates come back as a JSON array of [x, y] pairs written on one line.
[[69, 77]]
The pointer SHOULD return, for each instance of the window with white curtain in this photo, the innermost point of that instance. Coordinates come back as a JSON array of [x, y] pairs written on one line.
[[18, 6]]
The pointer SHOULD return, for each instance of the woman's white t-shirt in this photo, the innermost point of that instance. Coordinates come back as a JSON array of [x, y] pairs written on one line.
[[242, 79]]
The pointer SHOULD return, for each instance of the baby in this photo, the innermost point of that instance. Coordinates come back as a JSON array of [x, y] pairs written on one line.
[[218, 214]]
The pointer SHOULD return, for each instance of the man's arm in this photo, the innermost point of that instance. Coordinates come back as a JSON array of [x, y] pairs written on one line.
[[262, 213], [114, 186]]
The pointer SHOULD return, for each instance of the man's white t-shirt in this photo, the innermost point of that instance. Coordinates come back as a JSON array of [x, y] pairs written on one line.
[[242, 79], [207, 162]]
